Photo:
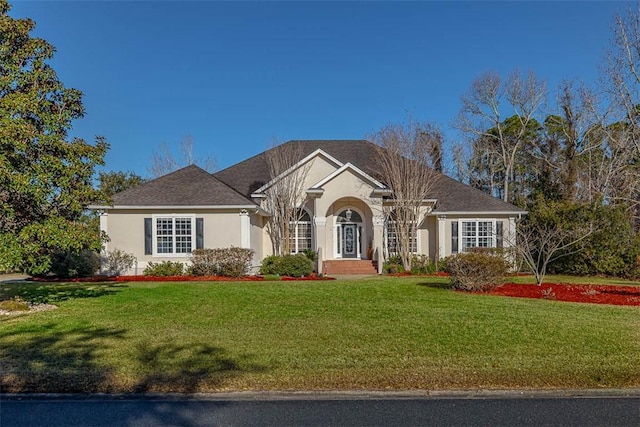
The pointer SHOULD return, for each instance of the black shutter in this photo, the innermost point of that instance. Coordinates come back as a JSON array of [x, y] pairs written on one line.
[[499, 234], [454, 237], [148, 236], [199, 233]]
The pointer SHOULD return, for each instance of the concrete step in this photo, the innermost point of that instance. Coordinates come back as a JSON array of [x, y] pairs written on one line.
[[350, 267]]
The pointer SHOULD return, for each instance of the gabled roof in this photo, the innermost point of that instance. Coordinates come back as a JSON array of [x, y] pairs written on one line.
[[452, 196], [251, 174], [190, 186], [355, 170], [233, 186], [299, 164]]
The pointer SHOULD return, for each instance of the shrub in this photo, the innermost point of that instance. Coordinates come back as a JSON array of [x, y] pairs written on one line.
[[476, 271], [612, 248], [117, 262], [393, 265], [231, 262], [270, 265], [295, 265], [311, 254], [288, 265], [163, 269], [421, 264], [75, 264]]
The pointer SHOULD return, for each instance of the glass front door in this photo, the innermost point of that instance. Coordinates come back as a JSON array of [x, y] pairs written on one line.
[[349, 241]]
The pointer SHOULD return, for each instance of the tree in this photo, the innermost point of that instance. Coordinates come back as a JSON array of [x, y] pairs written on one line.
[[285, 195], [481, 119], [622, 70], [548, 233], [45, 177], [110, 183], [406, 157], [163, 161]]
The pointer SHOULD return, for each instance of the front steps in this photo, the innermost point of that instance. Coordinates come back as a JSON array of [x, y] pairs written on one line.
[[349, 266]]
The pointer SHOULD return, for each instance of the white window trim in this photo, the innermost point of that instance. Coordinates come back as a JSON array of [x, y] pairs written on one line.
[[295, 237], [461, 248], [154, 226], [386, 238]]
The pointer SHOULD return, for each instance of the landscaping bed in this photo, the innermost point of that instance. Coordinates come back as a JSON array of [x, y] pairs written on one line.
[[182, 278], [594, 294]]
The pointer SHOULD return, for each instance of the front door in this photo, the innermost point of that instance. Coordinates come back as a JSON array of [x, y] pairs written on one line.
[[349, 241]]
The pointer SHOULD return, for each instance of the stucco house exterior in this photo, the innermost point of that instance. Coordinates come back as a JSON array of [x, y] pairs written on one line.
[[343, 218]]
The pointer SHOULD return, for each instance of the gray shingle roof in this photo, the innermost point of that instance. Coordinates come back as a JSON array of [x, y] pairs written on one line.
[[190, 186], [453, 196]]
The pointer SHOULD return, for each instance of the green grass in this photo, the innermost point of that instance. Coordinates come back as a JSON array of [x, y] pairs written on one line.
[[386, 333]]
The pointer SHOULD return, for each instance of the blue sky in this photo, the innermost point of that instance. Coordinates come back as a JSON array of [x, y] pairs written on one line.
[[235, 76]]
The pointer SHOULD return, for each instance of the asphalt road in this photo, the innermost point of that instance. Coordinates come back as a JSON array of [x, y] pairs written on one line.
[[321, 411]]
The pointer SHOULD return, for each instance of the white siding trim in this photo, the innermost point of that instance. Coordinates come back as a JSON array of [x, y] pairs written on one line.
[[245, 229]]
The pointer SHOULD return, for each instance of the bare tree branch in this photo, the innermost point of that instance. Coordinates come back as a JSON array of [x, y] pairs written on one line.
[[286, 194], [407, 159], [482, 120], [163, 161]]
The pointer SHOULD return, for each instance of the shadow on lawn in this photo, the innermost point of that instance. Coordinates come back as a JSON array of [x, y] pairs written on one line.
[[50, 293], [39, 359], [188, 368], [437, 285]]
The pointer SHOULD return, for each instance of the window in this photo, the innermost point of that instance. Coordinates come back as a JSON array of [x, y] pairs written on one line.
[[393, 243], [300, 234], [174, 235], [477, 234]]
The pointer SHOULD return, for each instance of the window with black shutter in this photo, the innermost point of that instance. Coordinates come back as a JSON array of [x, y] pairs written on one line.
[[454, 237]]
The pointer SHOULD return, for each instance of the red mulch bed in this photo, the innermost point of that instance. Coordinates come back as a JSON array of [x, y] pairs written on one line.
[[94, 279], [594, 294]]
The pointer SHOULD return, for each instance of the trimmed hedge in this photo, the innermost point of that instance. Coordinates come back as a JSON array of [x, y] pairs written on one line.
[[230, 262], [163, 269], [476, 271], [297, 265]]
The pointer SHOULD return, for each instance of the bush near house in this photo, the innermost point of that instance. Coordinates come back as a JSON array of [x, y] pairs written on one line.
[[476, 271], [117, 262], [229, 262], [75, 264], [297, 265], [420, 264], [162, 269]]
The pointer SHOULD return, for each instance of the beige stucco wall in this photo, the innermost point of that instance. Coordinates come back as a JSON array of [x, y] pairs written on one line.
[[125, 229], [508, 231], [316, 170]]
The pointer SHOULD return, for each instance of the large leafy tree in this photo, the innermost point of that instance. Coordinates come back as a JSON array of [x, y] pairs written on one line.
[[45, 176], [110, 183]]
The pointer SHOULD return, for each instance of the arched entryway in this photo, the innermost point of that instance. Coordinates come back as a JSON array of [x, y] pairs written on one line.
[[349, 234]]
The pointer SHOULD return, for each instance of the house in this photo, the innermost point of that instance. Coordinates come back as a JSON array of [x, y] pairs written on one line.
[[342, 219]]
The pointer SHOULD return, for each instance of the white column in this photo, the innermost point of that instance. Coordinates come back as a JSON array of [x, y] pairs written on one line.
[[319, 223], [245, 229], [441, 236], [103, 227], [510, 238], [378, 238]]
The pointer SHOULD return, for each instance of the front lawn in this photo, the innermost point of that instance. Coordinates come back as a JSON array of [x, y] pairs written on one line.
[[381, 333]]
